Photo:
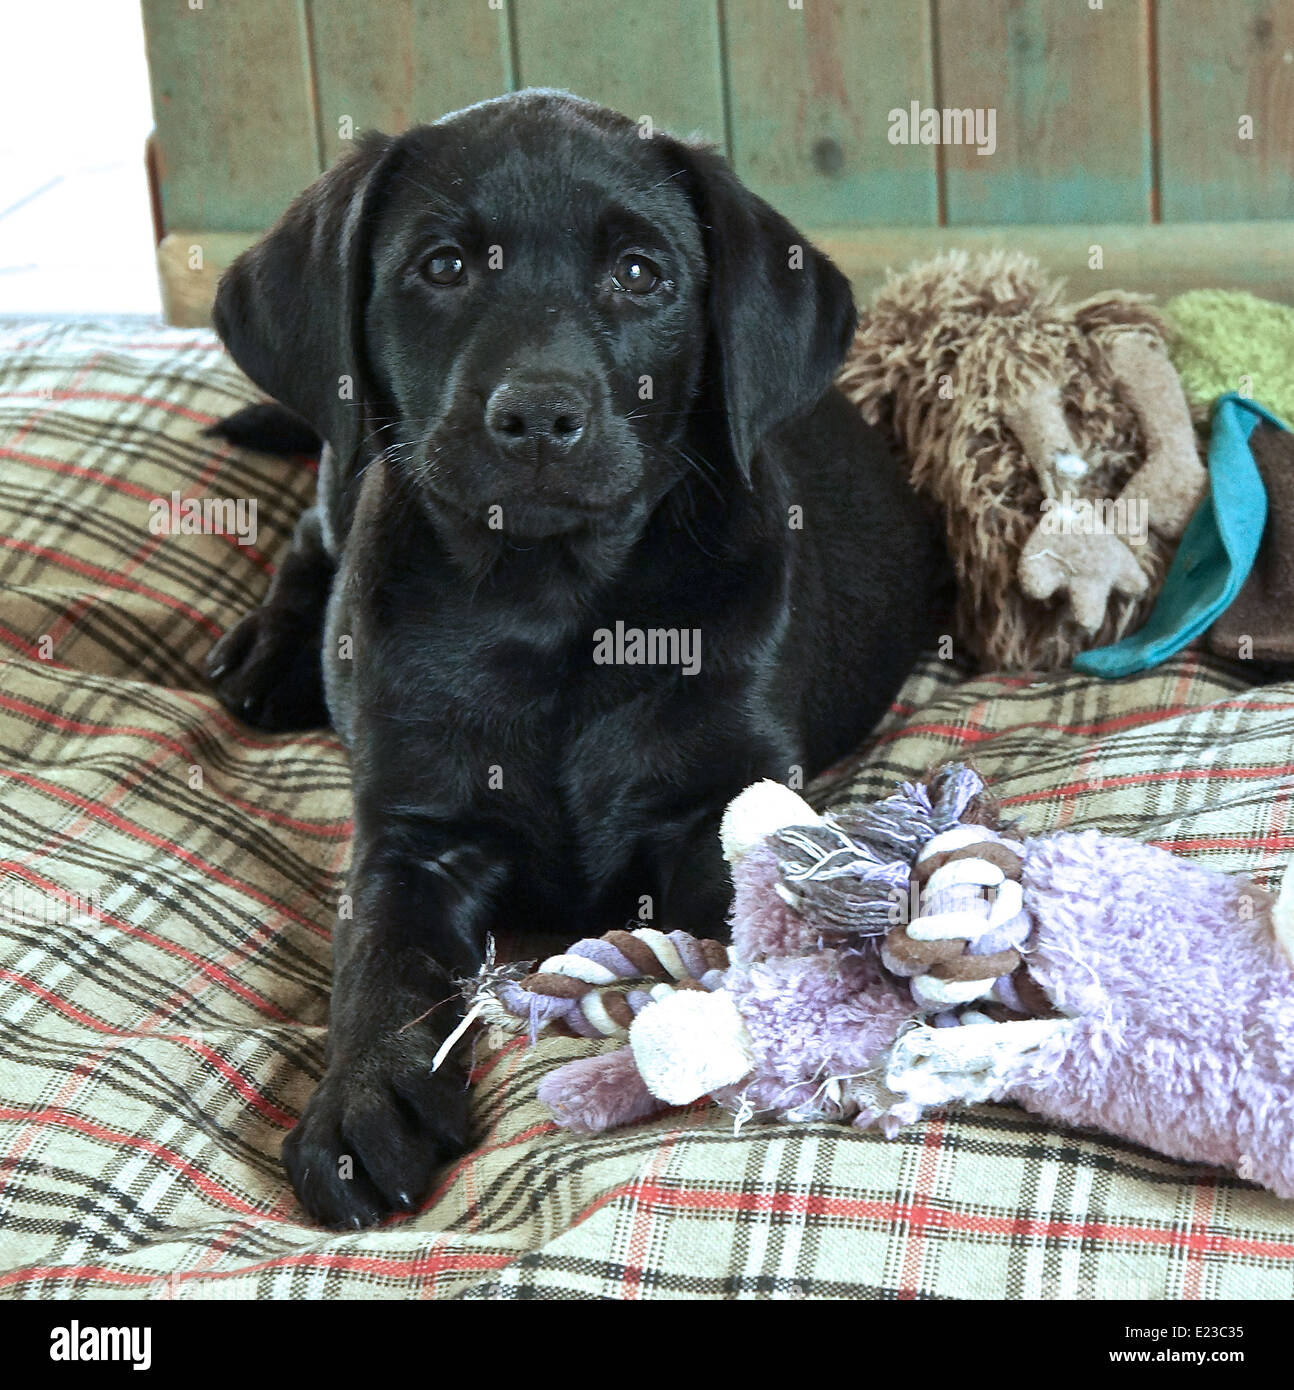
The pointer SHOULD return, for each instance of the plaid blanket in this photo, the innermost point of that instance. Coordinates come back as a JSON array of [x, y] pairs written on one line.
[[166, 881]]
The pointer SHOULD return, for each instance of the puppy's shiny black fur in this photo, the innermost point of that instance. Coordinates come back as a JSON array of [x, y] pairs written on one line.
[[566, 376]]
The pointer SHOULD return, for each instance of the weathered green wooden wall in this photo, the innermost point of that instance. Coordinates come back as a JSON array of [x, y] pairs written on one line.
[[1109, 113], [1117, 111]]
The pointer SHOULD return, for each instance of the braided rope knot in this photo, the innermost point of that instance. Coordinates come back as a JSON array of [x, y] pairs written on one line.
[[966, 942], [583, 987]]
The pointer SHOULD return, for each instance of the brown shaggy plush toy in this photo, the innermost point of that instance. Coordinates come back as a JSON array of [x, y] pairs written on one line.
[[1054, 437]]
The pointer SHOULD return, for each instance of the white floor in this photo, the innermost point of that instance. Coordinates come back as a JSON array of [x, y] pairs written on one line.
[[76, 234]]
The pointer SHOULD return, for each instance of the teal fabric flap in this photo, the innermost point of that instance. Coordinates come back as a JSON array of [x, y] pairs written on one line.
[[1217, 550]]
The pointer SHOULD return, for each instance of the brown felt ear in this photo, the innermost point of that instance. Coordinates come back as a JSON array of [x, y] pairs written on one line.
[[290, 309], [1258, 623], [781, 315]]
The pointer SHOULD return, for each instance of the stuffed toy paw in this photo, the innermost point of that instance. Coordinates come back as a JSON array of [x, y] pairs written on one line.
[[1088, 568]]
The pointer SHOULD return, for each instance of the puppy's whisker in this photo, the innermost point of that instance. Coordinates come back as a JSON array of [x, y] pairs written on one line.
[[661, 414], [703, 470], [669, 178]]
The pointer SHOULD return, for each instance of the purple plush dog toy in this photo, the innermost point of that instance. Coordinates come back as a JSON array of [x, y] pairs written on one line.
[[908, 954]]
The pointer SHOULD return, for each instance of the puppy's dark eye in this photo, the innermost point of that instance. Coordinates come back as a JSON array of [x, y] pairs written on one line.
[[636, 274], [444, 266]]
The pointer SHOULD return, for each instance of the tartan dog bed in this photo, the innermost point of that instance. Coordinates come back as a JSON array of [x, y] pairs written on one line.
[[166, 887]]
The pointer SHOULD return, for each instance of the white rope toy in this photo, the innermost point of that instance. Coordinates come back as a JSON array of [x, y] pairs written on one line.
[[965, 943]]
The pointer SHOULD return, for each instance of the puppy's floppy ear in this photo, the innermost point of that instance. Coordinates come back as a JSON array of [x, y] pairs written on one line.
[[781, 315], [290, 309]]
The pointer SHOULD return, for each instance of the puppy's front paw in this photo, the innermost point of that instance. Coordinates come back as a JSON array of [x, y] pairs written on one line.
[[371, 1138], [268, 671]]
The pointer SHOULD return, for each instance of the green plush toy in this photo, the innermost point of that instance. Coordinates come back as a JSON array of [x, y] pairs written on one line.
[[1228, 340]]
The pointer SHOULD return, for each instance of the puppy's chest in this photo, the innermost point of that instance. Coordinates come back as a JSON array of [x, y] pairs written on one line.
[[578, 746], [576, 719], [560, 670]]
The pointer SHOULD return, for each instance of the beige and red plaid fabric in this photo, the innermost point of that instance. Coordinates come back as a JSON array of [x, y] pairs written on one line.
[[166, 878]]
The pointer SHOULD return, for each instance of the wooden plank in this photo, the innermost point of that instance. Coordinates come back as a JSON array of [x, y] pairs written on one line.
[[657, 58], [1163, 259], [810, 91], [188, 280], [1070, 86], [235, 133], [1217, 64], [398, 63]]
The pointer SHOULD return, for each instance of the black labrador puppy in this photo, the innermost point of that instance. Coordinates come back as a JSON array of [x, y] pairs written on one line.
[[597, 544]]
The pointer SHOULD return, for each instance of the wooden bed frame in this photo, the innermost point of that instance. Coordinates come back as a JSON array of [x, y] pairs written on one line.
[[1147, 144]]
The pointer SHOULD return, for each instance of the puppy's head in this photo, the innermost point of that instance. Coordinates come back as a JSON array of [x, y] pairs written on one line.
[[535, 313]]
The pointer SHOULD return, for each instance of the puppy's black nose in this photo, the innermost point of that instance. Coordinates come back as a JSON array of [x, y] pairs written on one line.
[[539, 419]]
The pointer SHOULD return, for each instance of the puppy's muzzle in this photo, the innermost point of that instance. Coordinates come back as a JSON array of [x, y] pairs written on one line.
[[535, 420]]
